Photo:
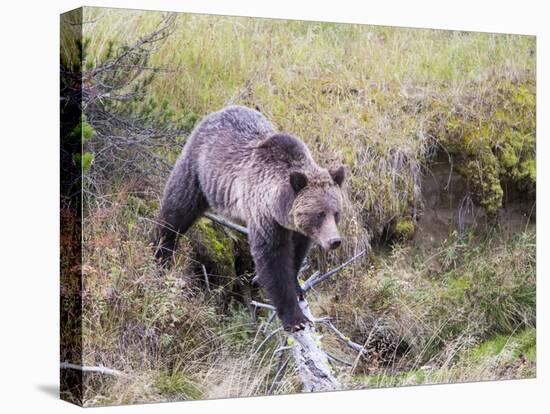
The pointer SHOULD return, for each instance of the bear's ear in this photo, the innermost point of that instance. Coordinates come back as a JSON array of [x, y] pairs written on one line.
[[338, 174], [298, 180]]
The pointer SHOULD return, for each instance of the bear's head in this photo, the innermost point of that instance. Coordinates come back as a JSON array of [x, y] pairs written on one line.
[[317, 205]]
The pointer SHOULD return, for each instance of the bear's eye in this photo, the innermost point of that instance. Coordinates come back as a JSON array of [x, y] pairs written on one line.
[[321, 215], [337, 216]]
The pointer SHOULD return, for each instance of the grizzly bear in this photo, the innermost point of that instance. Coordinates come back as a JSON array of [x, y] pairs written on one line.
[[235, 163]]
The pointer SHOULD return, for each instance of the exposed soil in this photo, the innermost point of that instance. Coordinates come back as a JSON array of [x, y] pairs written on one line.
[[448, 205]]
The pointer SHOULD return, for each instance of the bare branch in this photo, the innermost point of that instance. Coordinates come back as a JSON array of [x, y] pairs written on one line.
[[267, 338], [205, 274], [341, 361], [283, 348], [311, 282], [269, 320], [99, 369], [226, 223], [262, 305], [344, 339], [278, 375], [310, 279]]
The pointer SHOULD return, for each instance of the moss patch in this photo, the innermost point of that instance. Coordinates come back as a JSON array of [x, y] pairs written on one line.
[[404, 228], [214, 247], [490, 132]]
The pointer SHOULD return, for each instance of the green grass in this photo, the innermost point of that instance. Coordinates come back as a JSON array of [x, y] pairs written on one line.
[[522, 344]]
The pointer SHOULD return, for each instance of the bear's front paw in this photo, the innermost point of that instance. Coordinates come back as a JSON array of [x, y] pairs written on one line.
[[298, 323]]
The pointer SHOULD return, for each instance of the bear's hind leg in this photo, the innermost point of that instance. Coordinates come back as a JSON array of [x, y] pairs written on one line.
[[182, 204]]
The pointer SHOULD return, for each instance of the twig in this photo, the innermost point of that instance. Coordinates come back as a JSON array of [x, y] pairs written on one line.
[[305, 267], [278, 375], [267, 338], [311, 282], [269, 320], [341, 361], [206, 282], [262, 305], [283, 348], [226, 223], [353, 345], [99, 369], [310, 279]]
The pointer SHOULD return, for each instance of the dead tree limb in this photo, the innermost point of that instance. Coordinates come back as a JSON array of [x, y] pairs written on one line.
[[262, 305], [267, 338], [99, 369], [315, 280], [269, 320], [341, 361], [311, 360], [281, 366], [205, 274], [343, 338], [226, 223], [310, 279]]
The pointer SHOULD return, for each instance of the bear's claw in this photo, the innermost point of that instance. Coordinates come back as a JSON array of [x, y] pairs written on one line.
[[299, 326]]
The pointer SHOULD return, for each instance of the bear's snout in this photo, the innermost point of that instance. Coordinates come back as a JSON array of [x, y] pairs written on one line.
[[330, 243], [334, 243], [328, 236]]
